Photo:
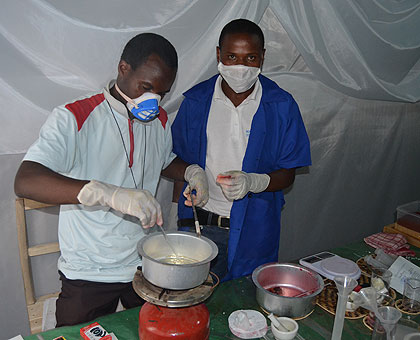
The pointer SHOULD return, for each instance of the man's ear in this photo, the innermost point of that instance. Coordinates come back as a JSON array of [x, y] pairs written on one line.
[[218, 54], [123, 68]]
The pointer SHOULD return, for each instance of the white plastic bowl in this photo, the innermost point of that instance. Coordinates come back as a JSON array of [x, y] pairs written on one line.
[[288, 323]]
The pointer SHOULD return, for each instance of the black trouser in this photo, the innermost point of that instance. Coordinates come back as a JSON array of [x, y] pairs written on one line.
[[82, 301]]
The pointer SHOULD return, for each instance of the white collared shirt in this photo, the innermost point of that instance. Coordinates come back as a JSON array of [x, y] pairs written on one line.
[[228, 130]]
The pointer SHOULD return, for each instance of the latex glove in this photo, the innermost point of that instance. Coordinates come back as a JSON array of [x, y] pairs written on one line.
[[236, 184], [197, 180], [138, 203]]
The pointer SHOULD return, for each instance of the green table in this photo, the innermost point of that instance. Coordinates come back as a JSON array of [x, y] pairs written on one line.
[[231, 296]]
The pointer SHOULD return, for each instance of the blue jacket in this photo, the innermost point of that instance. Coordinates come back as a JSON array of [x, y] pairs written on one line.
[[277, 140]]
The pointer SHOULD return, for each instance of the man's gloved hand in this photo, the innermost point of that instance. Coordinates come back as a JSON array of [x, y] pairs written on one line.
[[197, 180], [236, 184], [138, 203]]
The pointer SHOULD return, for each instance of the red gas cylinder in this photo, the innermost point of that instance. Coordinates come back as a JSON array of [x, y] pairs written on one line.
[[187, 323]]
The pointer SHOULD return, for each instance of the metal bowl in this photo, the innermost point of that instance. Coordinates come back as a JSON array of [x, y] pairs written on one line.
[[154, 249], [296, 286]]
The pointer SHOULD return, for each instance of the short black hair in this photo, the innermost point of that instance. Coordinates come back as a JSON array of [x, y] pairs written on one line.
[[242, 26], [143, 45]]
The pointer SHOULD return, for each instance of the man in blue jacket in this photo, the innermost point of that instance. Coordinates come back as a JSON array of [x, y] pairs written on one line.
[[249, 136]]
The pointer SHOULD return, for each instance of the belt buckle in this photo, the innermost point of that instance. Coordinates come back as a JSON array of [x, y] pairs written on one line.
[[219, 222]]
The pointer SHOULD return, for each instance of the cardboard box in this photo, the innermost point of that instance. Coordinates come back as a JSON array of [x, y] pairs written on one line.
[[390, 229]]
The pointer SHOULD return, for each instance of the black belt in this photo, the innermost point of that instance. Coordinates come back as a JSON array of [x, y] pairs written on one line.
[[206, 218]]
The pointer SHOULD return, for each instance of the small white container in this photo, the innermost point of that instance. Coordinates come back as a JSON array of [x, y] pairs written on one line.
[[288, 323]]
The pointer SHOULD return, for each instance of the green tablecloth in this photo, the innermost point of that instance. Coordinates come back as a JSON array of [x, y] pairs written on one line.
[[231, 296]]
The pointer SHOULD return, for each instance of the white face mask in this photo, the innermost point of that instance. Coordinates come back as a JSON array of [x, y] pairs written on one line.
[[240, 78]]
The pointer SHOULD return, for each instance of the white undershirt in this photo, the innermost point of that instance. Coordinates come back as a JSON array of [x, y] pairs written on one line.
[[228, 129]]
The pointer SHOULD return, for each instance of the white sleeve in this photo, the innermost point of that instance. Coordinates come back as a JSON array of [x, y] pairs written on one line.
[[56, 146], [169, 156]]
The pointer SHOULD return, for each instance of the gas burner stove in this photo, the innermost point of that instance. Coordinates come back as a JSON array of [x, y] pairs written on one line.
[[172, 298]]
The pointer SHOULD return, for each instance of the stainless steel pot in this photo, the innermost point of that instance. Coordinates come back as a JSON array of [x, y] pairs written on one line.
[[296, 286], [154, 251]]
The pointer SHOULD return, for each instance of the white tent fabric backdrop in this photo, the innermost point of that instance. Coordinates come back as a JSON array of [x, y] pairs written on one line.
[[352, 65], [54, 51]]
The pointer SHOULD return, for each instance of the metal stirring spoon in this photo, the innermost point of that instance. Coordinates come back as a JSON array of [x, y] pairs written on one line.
[[197, 224], [167, 241]]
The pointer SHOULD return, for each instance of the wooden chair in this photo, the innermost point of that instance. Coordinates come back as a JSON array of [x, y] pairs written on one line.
[[34, 305]]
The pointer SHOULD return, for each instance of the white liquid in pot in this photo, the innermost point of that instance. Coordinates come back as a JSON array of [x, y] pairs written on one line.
[[177, 259]]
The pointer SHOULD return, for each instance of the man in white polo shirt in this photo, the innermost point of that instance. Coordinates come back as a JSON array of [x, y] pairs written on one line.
[[249, 136], [100, 157]]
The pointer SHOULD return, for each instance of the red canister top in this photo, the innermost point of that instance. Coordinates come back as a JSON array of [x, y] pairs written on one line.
[[188, 323]]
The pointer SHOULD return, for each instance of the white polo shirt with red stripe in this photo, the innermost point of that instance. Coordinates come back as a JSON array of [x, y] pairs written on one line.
[[93, 138]]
